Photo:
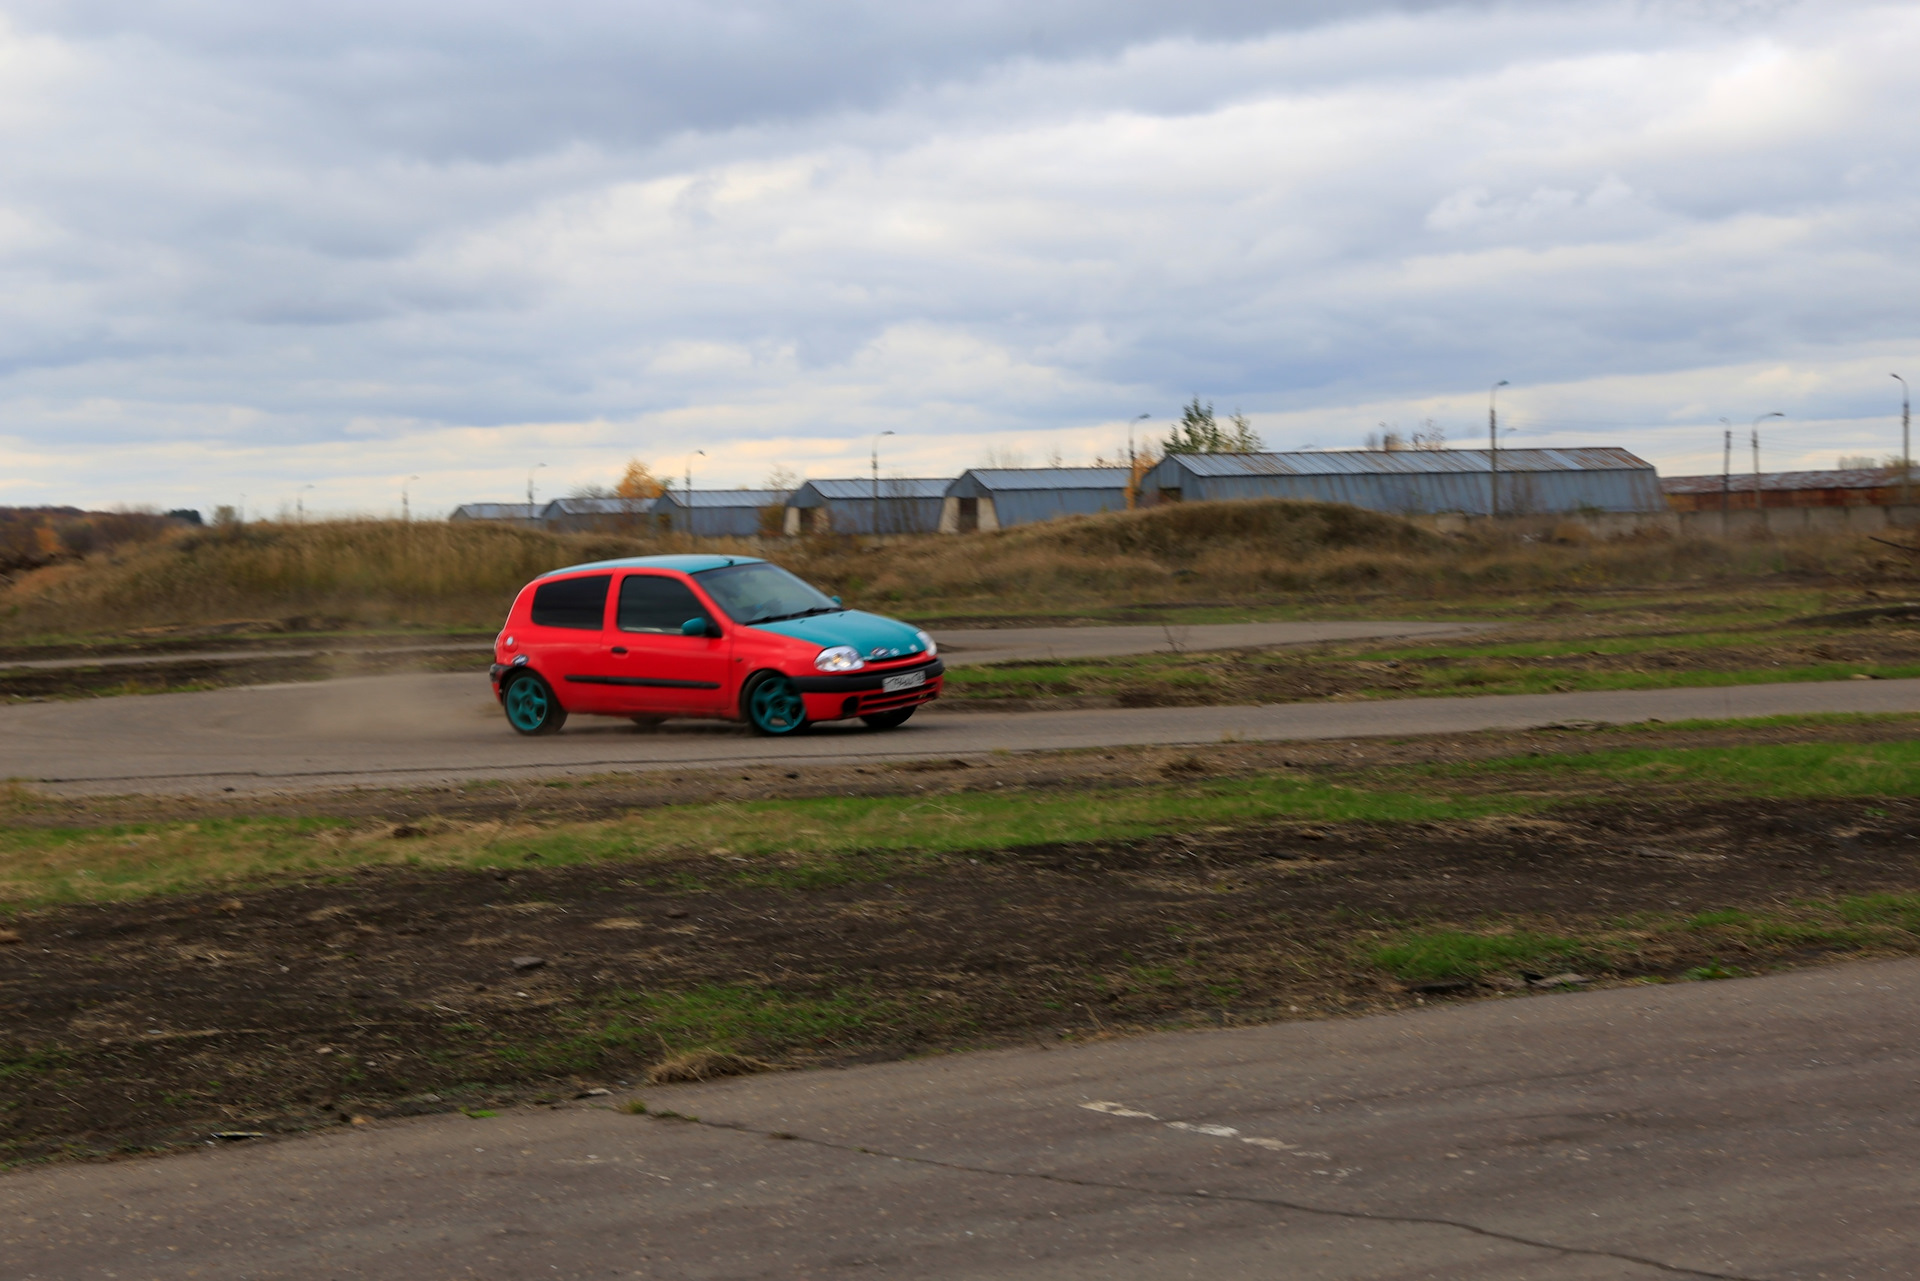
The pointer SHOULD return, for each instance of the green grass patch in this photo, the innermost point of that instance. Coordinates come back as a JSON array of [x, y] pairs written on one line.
[[1901, 911], [1764, 769], [720, 1017], [1448, 954], [810, 842]]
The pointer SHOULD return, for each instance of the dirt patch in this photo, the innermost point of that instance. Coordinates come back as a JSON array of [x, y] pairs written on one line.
[[133, 1026]]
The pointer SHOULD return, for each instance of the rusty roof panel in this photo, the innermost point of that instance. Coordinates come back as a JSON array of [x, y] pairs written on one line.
[[1839, 478]]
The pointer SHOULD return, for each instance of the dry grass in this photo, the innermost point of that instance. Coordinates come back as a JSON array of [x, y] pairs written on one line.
[[1260, 551], [315, 576], [384, 573], [703, 1065]]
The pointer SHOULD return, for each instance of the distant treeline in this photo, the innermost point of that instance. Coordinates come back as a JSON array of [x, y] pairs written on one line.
[[34, 536]]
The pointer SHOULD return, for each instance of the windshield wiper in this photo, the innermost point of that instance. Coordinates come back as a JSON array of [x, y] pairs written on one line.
[[805, 613]]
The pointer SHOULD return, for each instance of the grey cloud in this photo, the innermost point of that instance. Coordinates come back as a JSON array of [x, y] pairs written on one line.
[[490, 81]]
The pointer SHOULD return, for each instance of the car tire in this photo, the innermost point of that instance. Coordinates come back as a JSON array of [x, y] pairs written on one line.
[[773, 706], [531, 706], [888, 720]]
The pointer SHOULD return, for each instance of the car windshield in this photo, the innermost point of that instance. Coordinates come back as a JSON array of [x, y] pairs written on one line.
[[762, 593]]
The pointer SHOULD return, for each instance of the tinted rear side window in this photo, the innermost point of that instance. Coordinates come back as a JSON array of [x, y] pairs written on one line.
[[579, 603], [651, 603]]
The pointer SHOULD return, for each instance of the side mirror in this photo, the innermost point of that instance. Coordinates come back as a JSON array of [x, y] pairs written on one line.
[[700, 627], [834, 599]]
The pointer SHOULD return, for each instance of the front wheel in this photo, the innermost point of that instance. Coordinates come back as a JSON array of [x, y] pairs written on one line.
[[774, 706], [888, 720], [531, 707]]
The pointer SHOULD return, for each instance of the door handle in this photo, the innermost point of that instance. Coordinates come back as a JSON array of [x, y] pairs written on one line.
[[619, 649]]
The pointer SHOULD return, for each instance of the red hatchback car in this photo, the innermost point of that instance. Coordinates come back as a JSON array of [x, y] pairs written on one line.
[[728, 637]]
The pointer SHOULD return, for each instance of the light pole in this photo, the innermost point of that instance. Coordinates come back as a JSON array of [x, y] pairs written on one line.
[[1133, 465], [300, 503], [1756, 454], [702, 453], [1493, 443], [875, 444], [536, 467], [1906, 451], [406, 508], [1726, 474]]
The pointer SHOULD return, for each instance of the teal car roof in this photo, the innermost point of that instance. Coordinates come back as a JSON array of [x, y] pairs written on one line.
[[689, 563]]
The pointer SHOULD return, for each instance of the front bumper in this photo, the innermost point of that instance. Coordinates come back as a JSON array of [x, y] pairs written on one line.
[[833, 698], [862, 681]]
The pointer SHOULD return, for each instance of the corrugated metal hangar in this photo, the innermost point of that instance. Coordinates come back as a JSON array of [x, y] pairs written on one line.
[[1513, 482]]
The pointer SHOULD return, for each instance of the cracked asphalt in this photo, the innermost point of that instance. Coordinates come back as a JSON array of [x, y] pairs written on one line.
[[1757, 1128]]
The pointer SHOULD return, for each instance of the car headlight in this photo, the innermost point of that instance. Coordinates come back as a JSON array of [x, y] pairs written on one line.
[[927, 640], [841, 658]]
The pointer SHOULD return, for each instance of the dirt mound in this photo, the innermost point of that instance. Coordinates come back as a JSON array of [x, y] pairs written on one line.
[[1186, 531]]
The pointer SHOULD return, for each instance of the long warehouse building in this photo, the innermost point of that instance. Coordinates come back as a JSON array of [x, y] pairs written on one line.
[[1527, 482]]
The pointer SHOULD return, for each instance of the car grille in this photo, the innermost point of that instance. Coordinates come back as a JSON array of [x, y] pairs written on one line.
[[880, 701]]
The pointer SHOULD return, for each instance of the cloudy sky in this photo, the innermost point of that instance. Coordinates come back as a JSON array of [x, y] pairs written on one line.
[[248, 249]]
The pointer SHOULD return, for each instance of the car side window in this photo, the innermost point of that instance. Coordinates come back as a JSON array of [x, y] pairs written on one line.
[[578, 603], [653, 603]]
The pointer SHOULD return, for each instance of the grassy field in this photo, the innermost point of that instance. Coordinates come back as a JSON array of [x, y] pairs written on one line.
[[1198, 562], [1650, 648], [803, 843]]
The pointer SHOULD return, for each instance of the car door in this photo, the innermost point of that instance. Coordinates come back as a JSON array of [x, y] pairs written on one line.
[[569, 619], [659, 668]]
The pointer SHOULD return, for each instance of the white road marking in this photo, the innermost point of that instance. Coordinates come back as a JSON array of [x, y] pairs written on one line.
[[1107, 1108]]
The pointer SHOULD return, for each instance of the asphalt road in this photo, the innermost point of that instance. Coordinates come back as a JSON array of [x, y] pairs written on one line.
[[1757, 1128], [424, 729]]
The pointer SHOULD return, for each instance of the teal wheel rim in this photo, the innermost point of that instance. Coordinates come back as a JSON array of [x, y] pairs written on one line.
[[528, 703], [776, 706]]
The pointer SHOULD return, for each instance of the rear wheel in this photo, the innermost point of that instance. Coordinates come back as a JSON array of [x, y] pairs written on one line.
[[888, 720], [531, 707], [774, 706]]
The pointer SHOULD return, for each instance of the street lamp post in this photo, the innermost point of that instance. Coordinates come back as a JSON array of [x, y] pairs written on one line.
[[1493, 442], [406, 509], [300, 504], [689, 491], [536, 467], [875, 443], [1906, 450], [1133, 465], [1726, 474], [1756, 454]]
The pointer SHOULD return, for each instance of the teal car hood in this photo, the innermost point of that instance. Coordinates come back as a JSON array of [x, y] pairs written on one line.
[[873, 637]]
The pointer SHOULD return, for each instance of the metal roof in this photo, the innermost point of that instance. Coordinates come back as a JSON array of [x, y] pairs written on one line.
[[1048, 477], [690, 563], [599, 507], [726, 498], [890, 487], [1840, 478], [1407, 461], [496, 511]]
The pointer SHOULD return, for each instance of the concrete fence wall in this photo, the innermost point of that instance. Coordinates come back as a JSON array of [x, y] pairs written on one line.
[[1767, 522]]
